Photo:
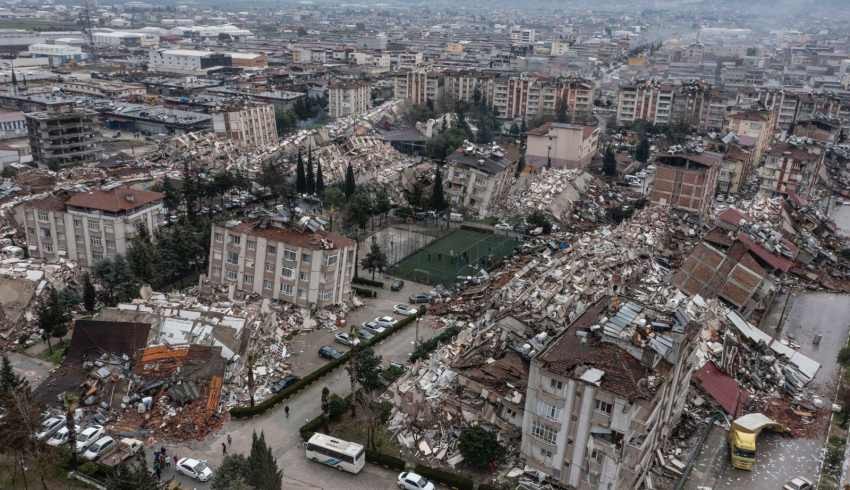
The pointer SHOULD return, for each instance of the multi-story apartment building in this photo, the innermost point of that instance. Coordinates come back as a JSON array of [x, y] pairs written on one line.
[[754, 130], [63, 136], [87, 227], [250, 126], [788, 168], [349, 98], [477, 177], [186, 61], [284, 261], [418, 86], [605, 394], [564, 145], [526, 96], [686, 182], [648, 101], [461, 85], [522, 37]]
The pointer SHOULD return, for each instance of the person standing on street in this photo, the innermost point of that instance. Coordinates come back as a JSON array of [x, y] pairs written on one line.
[[224, 449]]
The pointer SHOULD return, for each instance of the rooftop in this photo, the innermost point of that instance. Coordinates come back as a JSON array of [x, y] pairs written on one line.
[[114, 200], [317, 240]]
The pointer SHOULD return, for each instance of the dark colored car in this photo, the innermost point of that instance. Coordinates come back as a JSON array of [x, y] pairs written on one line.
[[365, 334], [329, 352], [419, 298], [397, 285], [284, 383]]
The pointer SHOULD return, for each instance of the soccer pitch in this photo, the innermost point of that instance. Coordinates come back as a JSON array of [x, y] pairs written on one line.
[[460, 253]]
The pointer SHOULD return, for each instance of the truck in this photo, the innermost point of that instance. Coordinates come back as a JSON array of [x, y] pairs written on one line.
[[127, 448], [742, 438]]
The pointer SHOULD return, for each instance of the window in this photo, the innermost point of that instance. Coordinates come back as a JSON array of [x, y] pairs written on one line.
[[331, 259], [331, 453], [326, 294], [549, 411], [97, 255], [42, 215], [306, 258], [248, 279], [269, 266], [546, 453], [603, 406], [109, 227], [555, 384], [216, 271], [252, 245], [350, 255], [286, 289], [302, 276], [233, 258], [290, 255], [597, 456], [230, 275], [94, 224], [219, 237], [267, 284], [110, 244], [78, 222], [543, 432], [287, 272], [96, 242], [270, 249], [235, 239]]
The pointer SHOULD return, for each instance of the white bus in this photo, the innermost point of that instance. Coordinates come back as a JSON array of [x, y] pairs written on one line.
[[342, 455]]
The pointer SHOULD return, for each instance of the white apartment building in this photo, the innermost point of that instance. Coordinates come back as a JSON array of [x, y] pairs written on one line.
[[522, 37], [406, 60], [87, 227], [478, 177], [645, 101], [13, 124], [567, 145], [349, 98], [418, 86], [124, 39], [282, 261], [600, 402], [249, 126], [185, 61]]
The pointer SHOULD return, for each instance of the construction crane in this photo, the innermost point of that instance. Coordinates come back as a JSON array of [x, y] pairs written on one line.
[[87, 25]]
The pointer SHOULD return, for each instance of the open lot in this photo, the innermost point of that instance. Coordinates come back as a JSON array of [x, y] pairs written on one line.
[[460, 253]]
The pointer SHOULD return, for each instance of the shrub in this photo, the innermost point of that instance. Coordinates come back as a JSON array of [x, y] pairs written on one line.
[[385, 460], [480, 447], [363, 292], [844, 356], [446, 477], [307, 430], [367, 282], [430, 345], [337, 406]]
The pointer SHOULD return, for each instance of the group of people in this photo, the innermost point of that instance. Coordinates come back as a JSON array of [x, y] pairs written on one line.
[[160, 462]]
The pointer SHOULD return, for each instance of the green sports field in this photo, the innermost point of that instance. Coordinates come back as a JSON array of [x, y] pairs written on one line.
[[460, 253]]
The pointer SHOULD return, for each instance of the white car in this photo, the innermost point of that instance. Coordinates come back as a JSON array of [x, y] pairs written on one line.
[[88, 436], [405, 310], [347, 339], [100, 447], [413, 481], [61, 436], [373, 327], [49, 427], [385, 321], [193, 468], [798, 483], [503, 227]]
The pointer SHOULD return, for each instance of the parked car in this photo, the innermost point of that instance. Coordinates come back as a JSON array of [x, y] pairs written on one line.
[[88, 437], [503, 227], [405, 310], [329, 352], [365, 334], [373, 327], [100, 447], [798, 483], [386, 321], [419, 298], [347, 339], [284, 383], [127, 447], [414, 481], [61, 436], [49, 427], [193, 468], [396, 285]]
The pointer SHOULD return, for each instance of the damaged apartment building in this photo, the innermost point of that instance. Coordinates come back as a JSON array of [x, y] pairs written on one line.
[[298, 262], [606, 393]]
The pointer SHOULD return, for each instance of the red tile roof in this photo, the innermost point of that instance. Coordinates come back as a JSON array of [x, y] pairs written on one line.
[[776, 261], [114, 200], [733, 216], [294, 237], [722, 388]]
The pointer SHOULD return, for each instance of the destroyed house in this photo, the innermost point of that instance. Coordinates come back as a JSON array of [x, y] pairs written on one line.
[[298, 263], [478, 177], [686, 181], [96, 363], [605, 393]]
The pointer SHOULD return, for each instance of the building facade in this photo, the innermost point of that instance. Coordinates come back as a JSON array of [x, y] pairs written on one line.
[[185, 61], [418, 86], [477, 178], [566, 145], [250, 126], [282, 261], [687, 182], [87, 227], [349, 98], [63, 137], [788, 168], [598, 406]]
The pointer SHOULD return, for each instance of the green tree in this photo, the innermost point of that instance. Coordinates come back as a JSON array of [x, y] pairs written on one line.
[[20, 420], [609, 163], [142, 256], [190, 190], [350, 185], [514, 129], [520, 166], [382, 204], [273, 179], [320, 178], [263, 473], [360, 208], [375, 260], [311, 177], [53, 318], [300, 176], [132, 476], [485, 134], [365, 372], [539, 220], [9, 380], [172, 198], [89, 294], [480, 447], [333, 199], [562, 112], [232, 473], [642, 150], [438, 199], [116, 280]]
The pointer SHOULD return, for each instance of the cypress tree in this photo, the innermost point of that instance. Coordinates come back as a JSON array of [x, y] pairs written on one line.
[[263, 471], [320, 179], [89, 296], [311, 178], [350, 186], [438, 197], [300, 179]]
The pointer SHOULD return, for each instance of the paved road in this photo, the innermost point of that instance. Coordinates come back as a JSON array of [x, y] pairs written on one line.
[[282, 432], [33, 369]]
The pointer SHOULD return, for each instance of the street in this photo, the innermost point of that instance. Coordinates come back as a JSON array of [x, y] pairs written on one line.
[[281, 432], [781, 458], [32, 369]]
